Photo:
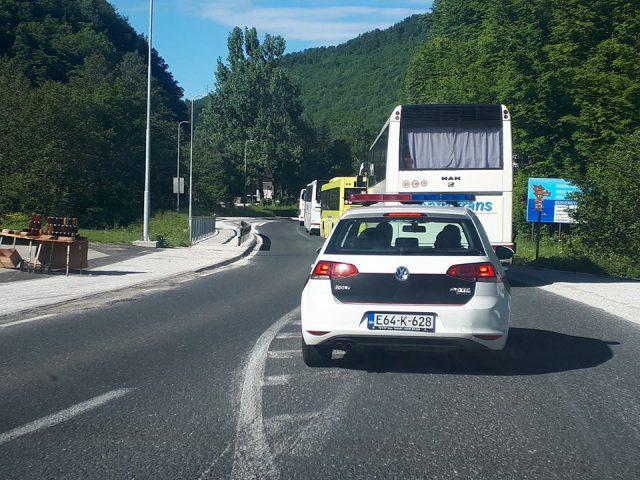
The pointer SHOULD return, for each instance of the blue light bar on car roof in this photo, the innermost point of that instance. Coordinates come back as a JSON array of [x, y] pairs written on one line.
[[443, 197]]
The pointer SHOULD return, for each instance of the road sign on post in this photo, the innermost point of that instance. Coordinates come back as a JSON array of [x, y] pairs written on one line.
[[178, 185], [549, 200]]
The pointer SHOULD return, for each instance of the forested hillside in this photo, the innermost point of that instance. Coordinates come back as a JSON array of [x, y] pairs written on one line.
[[72, 122], [351, 88], [570, 73]]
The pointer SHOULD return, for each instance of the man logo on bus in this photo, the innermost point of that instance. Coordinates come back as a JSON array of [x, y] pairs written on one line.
[[540, 192]]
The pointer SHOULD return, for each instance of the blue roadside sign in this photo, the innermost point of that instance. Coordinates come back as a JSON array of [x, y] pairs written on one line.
[[553, 198]]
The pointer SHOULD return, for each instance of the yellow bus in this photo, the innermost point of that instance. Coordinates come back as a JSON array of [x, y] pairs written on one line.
[[334, 200]]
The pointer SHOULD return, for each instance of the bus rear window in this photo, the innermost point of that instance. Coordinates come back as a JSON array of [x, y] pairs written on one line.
[[352, 191], [410, 236], [444, 148]]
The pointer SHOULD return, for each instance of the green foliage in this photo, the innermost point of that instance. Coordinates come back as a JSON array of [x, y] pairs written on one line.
[[569, 71], [255, 104], [570, 253], [349, 90], [73, 90], [609, 207]]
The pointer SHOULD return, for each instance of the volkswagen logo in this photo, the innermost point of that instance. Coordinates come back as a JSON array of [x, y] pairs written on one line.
[[402, 274]]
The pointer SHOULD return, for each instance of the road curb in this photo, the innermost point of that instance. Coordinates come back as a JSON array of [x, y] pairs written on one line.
[[124, 293], [224, 263]]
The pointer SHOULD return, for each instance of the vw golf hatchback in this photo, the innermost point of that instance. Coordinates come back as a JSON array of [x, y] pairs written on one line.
[[406, 277]]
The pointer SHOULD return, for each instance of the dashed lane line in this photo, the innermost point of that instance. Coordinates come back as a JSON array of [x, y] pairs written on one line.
[[63, 415], [27, 320]]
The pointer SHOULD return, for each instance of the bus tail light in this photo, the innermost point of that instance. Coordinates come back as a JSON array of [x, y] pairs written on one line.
[[474, 272], [324, 269]]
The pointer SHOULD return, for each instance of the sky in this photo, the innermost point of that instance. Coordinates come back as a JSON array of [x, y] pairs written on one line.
[[191, 34]]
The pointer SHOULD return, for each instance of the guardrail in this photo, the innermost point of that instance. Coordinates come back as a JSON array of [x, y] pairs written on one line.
[[202, 228], [243, 231]]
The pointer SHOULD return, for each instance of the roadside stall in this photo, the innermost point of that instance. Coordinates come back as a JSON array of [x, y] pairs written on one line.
[[52, 245]]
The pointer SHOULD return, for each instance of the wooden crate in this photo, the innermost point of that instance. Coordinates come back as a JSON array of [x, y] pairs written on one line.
[[54, 255], [9, 258]]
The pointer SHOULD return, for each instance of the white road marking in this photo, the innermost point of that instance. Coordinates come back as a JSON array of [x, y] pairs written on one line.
[[63, 415], [27, 320], [277, 380], [207, 471], [289, 335], [284, 353], [252, 457]]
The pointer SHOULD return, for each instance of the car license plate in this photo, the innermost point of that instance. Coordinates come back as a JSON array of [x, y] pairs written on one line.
[[413, 322]]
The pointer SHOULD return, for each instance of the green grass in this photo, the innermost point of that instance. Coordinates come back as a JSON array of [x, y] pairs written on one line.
[[171, 229], [571, 254]]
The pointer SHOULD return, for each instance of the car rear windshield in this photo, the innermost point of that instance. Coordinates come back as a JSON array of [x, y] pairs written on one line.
[[405, 236]]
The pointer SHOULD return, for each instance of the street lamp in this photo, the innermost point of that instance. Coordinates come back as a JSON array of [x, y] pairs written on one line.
[[178, 167], [244, 191], [147, 156]]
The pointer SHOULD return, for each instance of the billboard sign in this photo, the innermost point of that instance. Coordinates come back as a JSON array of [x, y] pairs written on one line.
[[552, 198]]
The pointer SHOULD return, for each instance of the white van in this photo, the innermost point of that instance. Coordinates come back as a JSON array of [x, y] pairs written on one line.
[[301, 207], [312, 211]]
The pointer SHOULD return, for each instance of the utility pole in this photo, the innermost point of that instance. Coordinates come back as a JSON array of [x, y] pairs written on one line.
[[178, 167], [146, 241], [191, 171]]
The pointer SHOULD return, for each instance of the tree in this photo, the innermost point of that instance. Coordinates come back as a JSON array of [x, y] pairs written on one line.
[[73, 79], [609, 206], [569, 70], [255, 101]]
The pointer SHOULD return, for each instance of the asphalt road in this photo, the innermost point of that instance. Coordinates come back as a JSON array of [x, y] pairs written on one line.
[[205, 380]]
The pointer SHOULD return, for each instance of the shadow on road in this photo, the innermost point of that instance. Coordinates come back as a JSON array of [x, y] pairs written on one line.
[[533, 277], [266, 243], [528, 352]]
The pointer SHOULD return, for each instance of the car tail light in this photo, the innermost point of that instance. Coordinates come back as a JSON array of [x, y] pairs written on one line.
[[324, 269], [474, 272]]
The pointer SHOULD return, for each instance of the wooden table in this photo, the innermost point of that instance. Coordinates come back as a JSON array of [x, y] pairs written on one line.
[[51, 243]]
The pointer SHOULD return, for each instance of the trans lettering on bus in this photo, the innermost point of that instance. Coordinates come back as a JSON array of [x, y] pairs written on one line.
[[474, 206], [450, 149]]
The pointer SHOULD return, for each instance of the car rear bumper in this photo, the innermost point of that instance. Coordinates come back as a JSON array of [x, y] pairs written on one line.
[[346, 342], [456, 326]]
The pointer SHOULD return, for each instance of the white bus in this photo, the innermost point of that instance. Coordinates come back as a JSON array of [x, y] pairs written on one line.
[[312, 210], [449, 155]]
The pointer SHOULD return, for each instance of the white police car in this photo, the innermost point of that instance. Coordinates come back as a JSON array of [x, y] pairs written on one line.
[[401, 276]]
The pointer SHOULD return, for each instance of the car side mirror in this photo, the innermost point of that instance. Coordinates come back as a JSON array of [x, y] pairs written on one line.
[[504, 253]]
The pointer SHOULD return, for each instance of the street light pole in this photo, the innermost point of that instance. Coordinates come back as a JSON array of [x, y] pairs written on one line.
[[244, 194], [147, 156], [191, 171], [178, 167]]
